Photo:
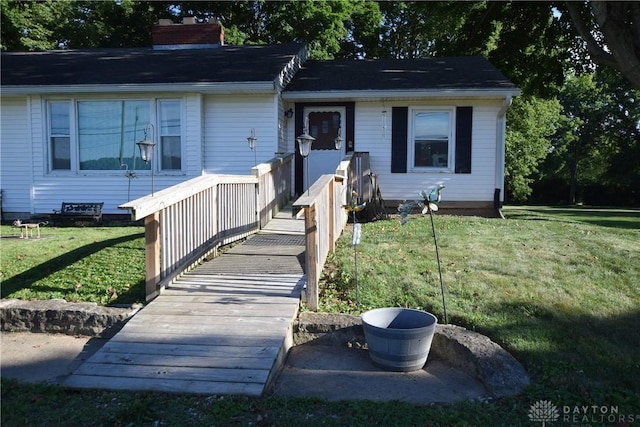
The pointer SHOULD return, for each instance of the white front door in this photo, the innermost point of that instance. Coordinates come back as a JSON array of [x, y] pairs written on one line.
[[324, 124]]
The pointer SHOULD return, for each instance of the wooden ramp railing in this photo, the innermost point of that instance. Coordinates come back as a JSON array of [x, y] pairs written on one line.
[[187, 221], [325, 216]]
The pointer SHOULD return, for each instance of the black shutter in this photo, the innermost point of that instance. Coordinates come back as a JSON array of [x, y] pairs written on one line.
[[464, 117], [399, 116]]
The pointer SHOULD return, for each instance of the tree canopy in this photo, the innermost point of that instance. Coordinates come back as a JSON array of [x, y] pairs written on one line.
[[534, 43]]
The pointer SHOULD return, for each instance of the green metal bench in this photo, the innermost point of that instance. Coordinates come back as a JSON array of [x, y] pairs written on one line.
[[79, 211]]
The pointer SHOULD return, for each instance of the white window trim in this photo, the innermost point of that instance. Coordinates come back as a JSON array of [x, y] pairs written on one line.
[[158, 141], [154, 105], [452, 139], [49, 135]]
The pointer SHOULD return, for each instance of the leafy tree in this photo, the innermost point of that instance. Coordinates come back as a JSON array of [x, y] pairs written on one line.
[[598, 139], [611, 32], [28, 25], [583, 103], [624, 165], [46, 25], [420, 29], [332, 29], [525, 40], [531, 122], [101, 24]]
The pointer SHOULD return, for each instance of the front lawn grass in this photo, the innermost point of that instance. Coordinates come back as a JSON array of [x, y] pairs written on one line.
[[104, 265], [558, 288]]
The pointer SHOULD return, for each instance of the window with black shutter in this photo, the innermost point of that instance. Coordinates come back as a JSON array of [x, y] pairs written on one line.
[[431, 139]]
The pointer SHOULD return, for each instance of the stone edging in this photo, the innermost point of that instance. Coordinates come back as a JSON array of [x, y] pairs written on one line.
[[473, 353], [62, 317]]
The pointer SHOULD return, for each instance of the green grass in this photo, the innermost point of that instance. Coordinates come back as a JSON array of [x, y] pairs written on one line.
[[97, 264], [558, 288]]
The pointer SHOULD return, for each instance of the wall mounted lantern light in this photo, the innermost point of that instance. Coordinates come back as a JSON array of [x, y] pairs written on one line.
[[146, 147], [338, 143]]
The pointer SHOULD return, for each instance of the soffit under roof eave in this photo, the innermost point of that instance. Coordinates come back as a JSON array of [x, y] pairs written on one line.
[[206, 88], [375, 95]]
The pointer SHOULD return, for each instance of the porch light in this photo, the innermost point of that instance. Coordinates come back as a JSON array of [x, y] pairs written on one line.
[[252, 144], [338, 140], [146, 150], [304, 145], [146, 147], [338, 143], [252, 139]]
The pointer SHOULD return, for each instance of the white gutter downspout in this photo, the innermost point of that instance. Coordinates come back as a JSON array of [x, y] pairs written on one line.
[[501, 132]]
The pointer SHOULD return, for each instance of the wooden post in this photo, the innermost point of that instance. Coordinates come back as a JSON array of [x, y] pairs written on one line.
[[332, 216], [152, 254], [310, 225]]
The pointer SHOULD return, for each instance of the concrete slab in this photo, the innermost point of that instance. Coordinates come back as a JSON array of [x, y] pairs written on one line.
[[332, 373], [41, 357], [336, 373]]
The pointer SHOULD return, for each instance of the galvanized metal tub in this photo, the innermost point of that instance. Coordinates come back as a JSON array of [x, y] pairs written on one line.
[[399, 339]]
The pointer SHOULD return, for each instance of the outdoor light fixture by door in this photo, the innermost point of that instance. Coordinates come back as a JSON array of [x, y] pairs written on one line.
[[338, 144], [252, 144], [304, 145], [338, 140], [146, 149]]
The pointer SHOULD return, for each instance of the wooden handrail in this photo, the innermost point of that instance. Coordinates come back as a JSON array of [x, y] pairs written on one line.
[[325, 218], [323, 207], [274, 187], [189, 220]]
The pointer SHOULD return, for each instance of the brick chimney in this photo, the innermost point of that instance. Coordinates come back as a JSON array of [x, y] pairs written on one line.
[[187, 35]]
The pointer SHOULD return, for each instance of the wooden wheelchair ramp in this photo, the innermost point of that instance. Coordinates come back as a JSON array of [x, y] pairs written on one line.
[[223, 328]]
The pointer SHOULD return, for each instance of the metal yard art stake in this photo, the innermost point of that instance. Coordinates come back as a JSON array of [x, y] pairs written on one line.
[[353, 207], [429, 204]]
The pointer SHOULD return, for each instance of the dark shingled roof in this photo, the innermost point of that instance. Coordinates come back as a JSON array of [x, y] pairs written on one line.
[[472, 72], [147, 66]]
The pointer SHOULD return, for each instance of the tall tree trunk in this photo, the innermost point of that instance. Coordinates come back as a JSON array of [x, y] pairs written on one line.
[[576, 154], [573, 182]]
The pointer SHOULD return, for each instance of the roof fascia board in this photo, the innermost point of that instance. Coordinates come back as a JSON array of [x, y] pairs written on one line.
[[290, 70], [207, 88], [401, 94]]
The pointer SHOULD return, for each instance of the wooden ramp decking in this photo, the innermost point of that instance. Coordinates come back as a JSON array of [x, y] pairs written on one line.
[[222, 328]]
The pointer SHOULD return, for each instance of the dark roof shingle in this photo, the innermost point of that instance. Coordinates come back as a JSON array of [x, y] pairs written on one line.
[[147, 66], [471, 72]]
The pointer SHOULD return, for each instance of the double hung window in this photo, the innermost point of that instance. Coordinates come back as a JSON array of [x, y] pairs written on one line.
[[432, 139], [60, 135]]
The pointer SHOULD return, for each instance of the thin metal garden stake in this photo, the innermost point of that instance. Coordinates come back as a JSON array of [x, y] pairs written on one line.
[[352, 208], [429, 203], [355, 241], [435, 240]]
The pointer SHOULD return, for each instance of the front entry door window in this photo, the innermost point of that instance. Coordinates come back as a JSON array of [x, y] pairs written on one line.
[[324, 124]]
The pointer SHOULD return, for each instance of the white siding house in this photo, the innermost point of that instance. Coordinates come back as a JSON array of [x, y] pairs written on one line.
[[423, 122], [70, 121]]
